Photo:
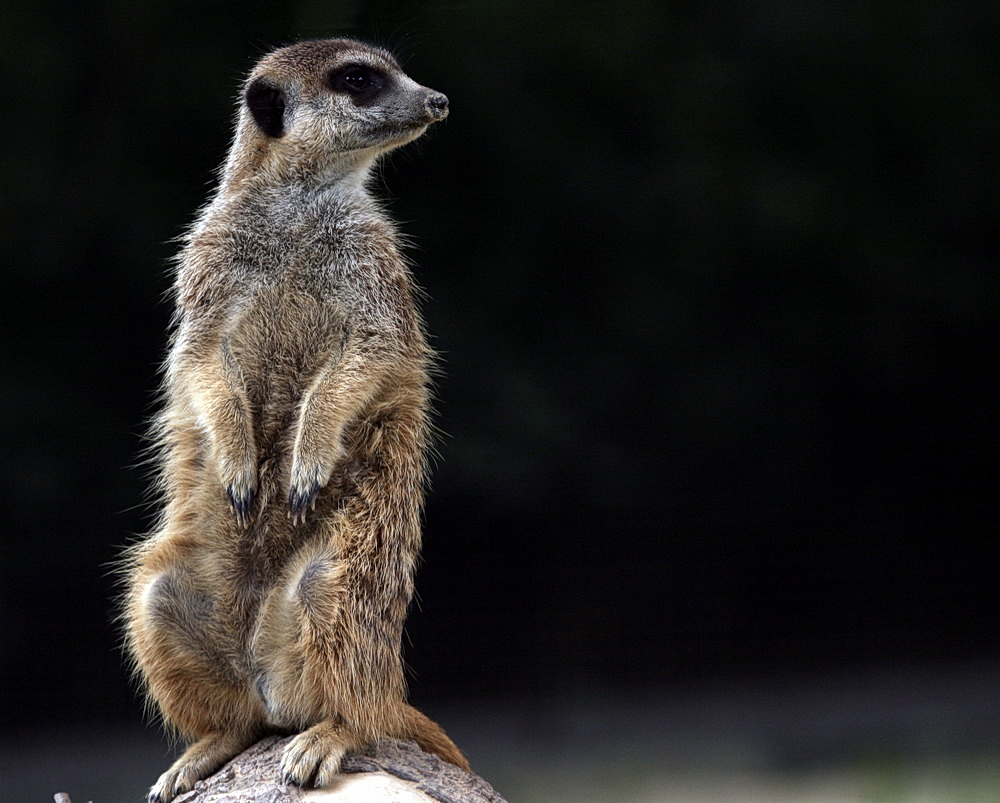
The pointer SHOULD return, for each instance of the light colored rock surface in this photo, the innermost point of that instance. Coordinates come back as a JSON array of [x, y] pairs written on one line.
[[367, 787]]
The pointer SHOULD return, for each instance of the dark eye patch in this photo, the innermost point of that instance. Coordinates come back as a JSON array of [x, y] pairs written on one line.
[[361, 83]]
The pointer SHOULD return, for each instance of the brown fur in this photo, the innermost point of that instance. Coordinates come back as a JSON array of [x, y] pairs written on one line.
[[272, 594]]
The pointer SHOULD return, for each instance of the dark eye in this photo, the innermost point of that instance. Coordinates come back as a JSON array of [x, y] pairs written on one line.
[[360, 82], [356, 80]]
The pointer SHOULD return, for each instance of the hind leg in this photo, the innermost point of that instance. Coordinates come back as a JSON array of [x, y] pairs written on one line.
[[308, 679], [325, 671], [190, 662], [330, 665]]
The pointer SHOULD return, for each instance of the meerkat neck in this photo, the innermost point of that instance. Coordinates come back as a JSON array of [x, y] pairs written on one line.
[[254, 169], [353, 183], [338, 192]]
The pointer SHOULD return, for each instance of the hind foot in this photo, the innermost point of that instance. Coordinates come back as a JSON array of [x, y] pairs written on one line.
[[312, 758], [199, 761]]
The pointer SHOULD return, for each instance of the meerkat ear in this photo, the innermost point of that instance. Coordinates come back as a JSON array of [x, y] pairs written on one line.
[[267, 105]]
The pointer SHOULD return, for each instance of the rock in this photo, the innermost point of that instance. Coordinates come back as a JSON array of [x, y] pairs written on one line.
[[388, 771]]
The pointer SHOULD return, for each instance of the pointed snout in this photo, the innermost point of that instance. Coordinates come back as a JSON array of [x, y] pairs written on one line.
[[436, 105]]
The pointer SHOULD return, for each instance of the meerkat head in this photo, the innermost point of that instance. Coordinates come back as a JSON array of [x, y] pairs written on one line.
[[330, 107]]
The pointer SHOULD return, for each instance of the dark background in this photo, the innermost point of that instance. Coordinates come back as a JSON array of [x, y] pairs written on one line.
[[713, 284]]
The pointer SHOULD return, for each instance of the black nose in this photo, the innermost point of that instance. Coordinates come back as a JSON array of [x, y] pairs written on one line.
[[437, 105]]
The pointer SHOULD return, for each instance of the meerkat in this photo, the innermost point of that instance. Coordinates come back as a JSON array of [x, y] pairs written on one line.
[[291, 446]]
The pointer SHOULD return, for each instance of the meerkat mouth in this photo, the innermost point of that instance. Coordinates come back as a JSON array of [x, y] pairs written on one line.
[[399, 135]]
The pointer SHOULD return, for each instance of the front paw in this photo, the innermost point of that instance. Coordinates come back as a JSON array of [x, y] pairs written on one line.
[[313, 463], [307, 479], [241, 488], [241, 503]]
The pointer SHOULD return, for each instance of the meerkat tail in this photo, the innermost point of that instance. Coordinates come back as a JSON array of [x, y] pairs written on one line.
[[432, 738]]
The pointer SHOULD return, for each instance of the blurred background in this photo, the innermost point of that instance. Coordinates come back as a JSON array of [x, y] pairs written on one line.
[[713, 286]]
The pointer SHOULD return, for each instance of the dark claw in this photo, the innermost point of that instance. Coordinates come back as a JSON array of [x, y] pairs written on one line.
[[242, 504], [299, 502]]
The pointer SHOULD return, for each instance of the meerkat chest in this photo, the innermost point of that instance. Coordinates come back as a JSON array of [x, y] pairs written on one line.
[[287, 284], [284, 334]]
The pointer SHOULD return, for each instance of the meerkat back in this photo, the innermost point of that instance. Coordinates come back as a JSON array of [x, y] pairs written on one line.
[[272, 594]]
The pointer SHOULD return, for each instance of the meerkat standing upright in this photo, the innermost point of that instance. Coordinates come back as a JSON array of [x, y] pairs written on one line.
[[272, 594]]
